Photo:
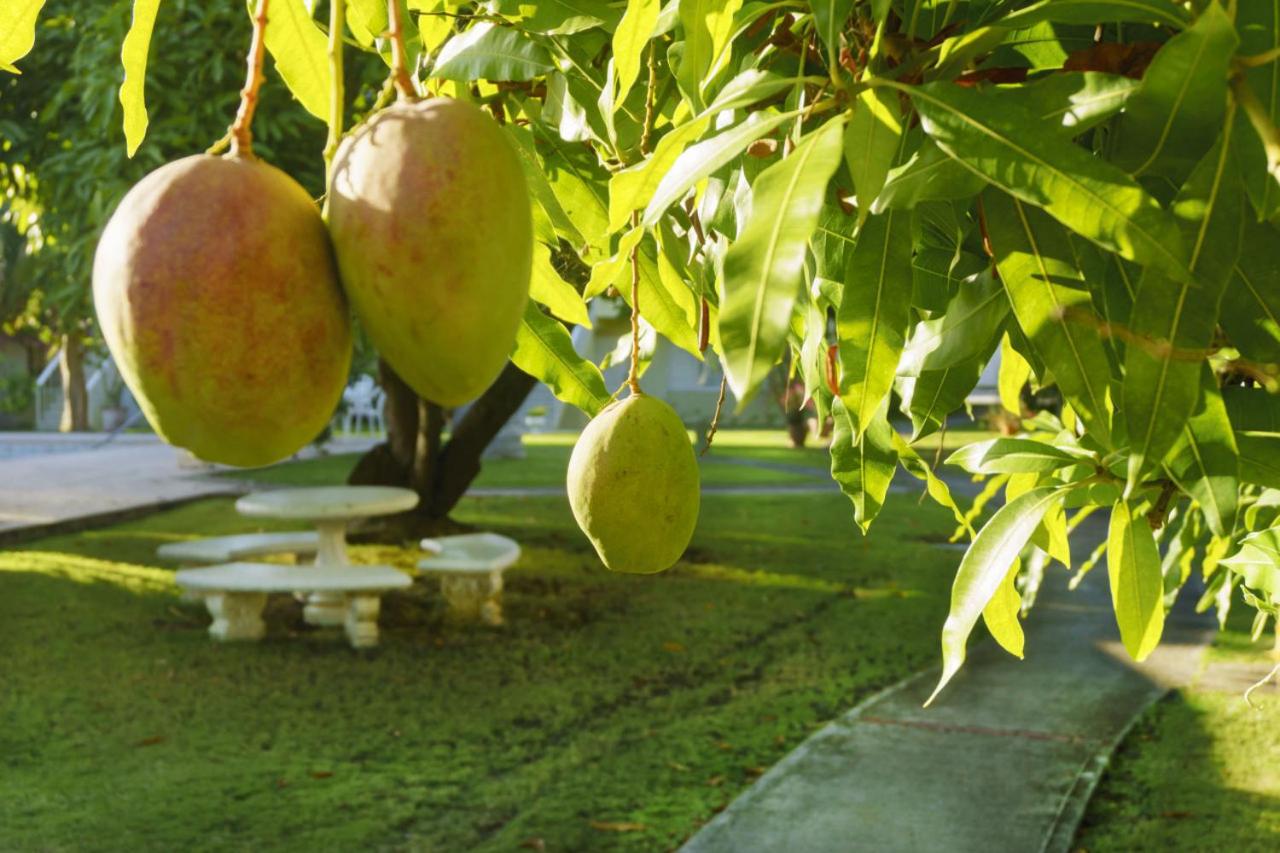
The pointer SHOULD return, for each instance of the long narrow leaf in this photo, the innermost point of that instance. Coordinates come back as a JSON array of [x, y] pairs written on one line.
[[1177, 318], [18, 31], [1046, 291], [133, 55], [873, 315], [545, 351], [762, 269], [300, 51], [1137, 588], [1004, 144], [984, 567]]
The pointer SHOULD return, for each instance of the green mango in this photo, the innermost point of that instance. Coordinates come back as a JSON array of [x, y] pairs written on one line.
[[217, 294], [433, 231], [633, 485]]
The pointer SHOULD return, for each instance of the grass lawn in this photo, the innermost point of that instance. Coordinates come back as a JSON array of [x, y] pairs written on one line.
[[737, 457], [1199, 771], [612, 712]]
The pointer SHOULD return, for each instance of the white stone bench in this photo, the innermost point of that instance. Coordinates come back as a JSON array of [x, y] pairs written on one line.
[[470, 567], [236, 593], [246, 546]]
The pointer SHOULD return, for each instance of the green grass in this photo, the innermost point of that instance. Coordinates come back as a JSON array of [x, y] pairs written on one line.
[[545, 465], [735, 459], [612, 712], [1199, 771]]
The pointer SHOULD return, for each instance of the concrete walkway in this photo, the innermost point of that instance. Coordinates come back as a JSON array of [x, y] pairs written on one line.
[[1005, 759], [52, 481]]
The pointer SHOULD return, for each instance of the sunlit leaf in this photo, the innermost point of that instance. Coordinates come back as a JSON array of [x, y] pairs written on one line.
[[18, 30], [1137, 588], [1171, 121], [301, 53], [1177, 318], [1002, 611], [863, 466], [984, 567], [763, 266], [133, 54], [1011, 456], [629, 40], [545, 351], [1005, 145], [490, 52], [1042, 278]]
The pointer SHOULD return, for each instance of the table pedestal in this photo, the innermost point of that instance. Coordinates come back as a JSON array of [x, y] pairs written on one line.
[[473, 596], [327, 609]]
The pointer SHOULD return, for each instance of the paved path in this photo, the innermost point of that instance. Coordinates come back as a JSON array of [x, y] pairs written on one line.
[[1005, 759], [49, 481]]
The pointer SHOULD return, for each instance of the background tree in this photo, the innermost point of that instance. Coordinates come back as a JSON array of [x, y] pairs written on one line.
[[1087, 186]]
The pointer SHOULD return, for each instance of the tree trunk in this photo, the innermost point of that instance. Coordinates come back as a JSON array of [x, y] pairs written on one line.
[[414, 456], [75, 396]]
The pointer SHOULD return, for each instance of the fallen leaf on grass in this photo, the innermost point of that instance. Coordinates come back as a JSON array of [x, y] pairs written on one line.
[[715, 781], [151, 741], [1175, 815], [617, 826], [754, 771], [533, 844], [320, 774], [674, 648], [676, 765]]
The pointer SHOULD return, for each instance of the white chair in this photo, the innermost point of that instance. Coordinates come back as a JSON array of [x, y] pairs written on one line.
[[364, 406]]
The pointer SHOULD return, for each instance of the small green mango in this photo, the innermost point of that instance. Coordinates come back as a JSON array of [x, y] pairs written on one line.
[[633, 485], [432, 227], [218, 297]]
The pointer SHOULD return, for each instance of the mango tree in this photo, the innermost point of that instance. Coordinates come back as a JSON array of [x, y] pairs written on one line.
[[1088, 187]]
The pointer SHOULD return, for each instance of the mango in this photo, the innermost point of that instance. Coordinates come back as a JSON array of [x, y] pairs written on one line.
[[633, 485], [218, 296], [430, 218]]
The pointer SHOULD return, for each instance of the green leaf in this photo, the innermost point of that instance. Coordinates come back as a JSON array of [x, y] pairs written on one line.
[[930, 175], [762, 269], [1176, 115], [367, 20], [934, 485], [707, 25], [1259, 26], [863, 467], [301, 54], [700, 160], [1259, 454], [928, 398], [1074, 100], [1251, 304], [548, 288], [666, 301], [18, 31], [829, 18], [635, 187], [1001, 614], [874, 311], [1258, 561], [1204, 462], [1015, 372], [1012, 456], [871, 143], [1042, 278], [566, 17], [1093, 12], [1137, 588], [490, 52], [133, 54], [545, 351], [633, 33], [972, 319], [1176, 320], [1004, 144], [984, 567]]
